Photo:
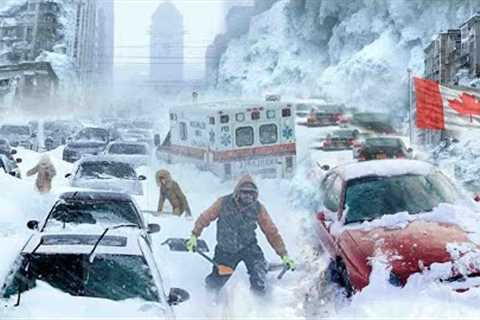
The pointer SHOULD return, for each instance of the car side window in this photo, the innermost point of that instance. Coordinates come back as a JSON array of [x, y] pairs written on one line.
[[333, 189]]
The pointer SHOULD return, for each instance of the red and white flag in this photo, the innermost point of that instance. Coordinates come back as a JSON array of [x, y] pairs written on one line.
[[440, 107]]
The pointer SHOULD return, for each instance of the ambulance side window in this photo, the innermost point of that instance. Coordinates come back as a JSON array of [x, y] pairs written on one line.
[[268, 133], [183, 131], [244, 136], [224, 119]]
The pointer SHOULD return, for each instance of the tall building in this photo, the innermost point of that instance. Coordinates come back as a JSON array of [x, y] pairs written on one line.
[[470, 45], [442, 57], [166, 48], [93, 40]]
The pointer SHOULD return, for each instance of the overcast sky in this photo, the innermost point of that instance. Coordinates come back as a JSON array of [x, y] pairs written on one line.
[[202, 21]]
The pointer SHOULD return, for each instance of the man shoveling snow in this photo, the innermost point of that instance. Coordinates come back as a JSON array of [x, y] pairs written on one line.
[[238, 216]]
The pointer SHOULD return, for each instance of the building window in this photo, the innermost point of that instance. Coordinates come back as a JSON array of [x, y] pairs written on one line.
[[255, 115], [268, 133], [183, 131], [211, 120], [244, 136], [224, 119], [286, 113]]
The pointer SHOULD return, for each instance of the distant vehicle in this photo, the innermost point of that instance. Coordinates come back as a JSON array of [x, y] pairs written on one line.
[[326, 115], [233, 138], [19, 135], [115, 264], [273, 97], [106, 173], [381, 148], [375, 121], [5, 145], [357, 193], [88, 141], [302, 110], [98, 208], [134, 153], [8, 164], [340, 140], [138, 135], [57, 132]]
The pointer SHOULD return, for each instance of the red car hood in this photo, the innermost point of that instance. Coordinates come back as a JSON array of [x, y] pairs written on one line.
[[420, 244]]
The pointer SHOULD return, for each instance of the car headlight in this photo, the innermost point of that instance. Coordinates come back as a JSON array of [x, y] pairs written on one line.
[[394, 280]]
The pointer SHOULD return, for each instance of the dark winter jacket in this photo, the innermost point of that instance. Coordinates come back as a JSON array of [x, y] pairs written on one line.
[[171, 191], [237, 224]]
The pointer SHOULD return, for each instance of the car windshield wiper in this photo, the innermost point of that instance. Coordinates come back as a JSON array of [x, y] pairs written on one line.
[[26, 270], [91, 255]]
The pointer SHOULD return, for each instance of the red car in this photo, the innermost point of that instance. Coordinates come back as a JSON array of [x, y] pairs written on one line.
[[371, 190]]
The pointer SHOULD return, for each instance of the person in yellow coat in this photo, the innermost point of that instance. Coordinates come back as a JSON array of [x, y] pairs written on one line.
[[171, 191]]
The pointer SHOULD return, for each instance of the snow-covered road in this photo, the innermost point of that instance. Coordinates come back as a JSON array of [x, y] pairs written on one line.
[[300, 294]]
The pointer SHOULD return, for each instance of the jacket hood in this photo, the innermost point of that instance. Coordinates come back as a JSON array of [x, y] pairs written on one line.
[[163, 174], [246, 182]]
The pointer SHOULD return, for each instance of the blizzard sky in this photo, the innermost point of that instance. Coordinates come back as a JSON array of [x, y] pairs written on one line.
[[203, 19]]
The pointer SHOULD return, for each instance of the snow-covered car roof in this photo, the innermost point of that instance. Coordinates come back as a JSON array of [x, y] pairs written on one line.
[[233, 104], [386, 168], [123, 241], [95, 195]]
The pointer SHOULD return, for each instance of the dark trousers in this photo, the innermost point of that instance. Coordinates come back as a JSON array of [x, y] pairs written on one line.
[[254, 261]]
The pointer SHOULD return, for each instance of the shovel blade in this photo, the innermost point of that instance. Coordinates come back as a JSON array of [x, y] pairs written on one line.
[[180, 245], [224, 270]]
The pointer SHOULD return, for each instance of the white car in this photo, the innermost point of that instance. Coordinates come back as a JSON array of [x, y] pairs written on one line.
[[106, 173], [110, 273], [134, 153]]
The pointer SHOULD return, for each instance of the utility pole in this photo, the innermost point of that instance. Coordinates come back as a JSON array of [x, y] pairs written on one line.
[[410, 106]]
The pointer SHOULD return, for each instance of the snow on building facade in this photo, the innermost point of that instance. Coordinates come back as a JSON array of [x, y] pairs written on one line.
[[470, 45], [442, 57], [166, 48], [27, 30]]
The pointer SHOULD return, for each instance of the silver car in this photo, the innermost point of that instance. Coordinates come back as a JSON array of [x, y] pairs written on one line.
[[106, 173], [134, 153]]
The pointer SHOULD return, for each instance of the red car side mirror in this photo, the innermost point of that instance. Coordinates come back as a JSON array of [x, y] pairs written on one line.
[[321, 216]]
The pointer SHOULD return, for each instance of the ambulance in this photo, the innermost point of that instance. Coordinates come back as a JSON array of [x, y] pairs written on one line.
[[233, 138]]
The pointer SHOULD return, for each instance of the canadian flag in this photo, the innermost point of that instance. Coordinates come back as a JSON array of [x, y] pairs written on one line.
[[440, 107]]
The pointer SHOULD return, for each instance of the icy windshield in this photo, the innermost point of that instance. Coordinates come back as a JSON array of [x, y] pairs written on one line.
[[129, 149], [370, 198], [93, 212], [345, 134], [106, 170], [383, 142], [113, 277], [10, 129], [97, 134]]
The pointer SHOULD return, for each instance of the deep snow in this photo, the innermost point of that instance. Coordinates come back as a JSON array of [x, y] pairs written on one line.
[[301, 294]]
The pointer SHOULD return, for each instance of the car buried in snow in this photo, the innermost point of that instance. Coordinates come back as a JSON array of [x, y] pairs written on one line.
[[105, 173], [75, 210], [102, 272], [8, 164], [88, 141], [340, 140], [233, 138], [134, 153], [19, 135], [403, 210], [377, 148]]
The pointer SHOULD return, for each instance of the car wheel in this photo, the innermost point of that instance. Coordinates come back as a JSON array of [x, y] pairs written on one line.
[[337, 272]]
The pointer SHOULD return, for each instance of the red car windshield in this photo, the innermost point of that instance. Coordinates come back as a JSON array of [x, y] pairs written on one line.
[[370, 198]]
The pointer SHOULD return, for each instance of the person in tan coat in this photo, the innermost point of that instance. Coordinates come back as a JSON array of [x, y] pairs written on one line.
[[45, 172], [238, 215], [170, 190]]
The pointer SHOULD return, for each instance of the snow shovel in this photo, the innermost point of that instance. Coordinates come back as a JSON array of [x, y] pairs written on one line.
[[180, 245]]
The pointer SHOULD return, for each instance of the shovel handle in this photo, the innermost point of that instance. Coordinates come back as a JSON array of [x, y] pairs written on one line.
[[281, 274]]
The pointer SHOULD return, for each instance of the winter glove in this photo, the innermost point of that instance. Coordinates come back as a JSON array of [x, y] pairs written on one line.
[[289, 263], [192, 243]]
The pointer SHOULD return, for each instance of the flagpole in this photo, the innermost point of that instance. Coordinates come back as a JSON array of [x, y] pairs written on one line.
[[410, 106]]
